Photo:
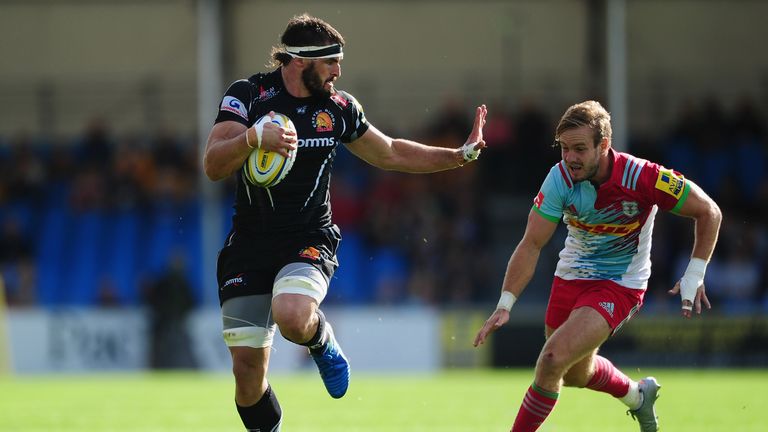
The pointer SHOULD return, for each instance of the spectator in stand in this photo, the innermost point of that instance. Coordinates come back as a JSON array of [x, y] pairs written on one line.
[[17, 265]]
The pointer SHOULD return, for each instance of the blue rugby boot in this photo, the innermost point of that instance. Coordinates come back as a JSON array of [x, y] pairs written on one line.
[[333, 366], [646, 414]]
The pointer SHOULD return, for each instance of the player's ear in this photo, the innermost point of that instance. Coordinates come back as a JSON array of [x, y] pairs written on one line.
[[605, 144], [301, 63]]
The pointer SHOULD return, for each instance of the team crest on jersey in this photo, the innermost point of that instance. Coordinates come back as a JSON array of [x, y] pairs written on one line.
[[310, 253], [266, 94], [323, 121], [234, 105], [670, 183], [301, 110], [630, 208]]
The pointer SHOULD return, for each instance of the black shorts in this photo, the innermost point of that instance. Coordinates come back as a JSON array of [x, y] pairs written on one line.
[[247, 265]]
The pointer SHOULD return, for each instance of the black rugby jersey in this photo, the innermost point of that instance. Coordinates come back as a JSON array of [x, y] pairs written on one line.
[[301, 202]]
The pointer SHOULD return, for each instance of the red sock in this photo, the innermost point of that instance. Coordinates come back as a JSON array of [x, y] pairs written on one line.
[[536, 406], [608, 379]]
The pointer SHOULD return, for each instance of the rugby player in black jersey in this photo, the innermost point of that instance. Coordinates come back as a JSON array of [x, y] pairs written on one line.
[[277, 261]]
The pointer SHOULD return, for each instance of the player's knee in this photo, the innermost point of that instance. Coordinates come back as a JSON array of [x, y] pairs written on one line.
[[552, 361], [298, 290], [293, 316], [295, 327], [248, 368]]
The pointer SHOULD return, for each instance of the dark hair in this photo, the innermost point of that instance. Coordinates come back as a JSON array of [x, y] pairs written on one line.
[[589, 113], [304, 30]]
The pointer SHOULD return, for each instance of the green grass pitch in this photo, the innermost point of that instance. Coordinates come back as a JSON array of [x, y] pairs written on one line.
[[691, 400]]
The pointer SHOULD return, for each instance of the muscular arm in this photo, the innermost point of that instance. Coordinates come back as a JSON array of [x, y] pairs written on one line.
[[707, 216], [522, 263], [519, 269], [226, 150], [387, 153]]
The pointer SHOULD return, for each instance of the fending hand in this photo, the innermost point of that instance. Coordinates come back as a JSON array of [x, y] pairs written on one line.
[[475, 143], [699, 299]]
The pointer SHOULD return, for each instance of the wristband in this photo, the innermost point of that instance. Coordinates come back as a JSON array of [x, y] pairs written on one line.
[[506, 301], [692, 279], [469, 152]]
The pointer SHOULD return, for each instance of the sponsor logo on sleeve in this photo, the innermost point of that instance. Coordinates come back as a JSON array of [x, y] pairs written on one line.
[[538, 200], [340, 100], [670, 183], [234, 105]]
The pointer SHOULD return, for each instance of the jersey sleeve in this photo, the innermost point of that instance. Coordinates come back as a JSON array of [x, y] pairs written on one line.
[[354, 116], [665, 187], [234, 105], [550, 201]]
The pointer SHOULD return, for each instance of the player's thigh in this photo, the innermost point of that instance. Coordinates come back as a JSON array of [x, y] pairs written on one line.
[[579, 336], [578, 373], [247, 321], [299, 288]]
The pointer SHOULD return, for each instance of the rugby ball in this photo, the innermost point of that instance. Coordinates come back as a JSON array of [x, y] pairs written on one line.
[[265, 168]]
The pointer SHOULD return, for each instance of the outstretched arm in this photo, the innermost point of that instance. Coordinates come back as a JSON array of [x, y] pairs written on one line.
[[707, 216], [387, 153], [520, 270]]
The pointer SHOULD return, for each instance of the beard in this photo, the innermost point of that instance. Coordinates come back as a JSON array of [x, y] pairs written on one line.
[[587, 171], [314, 83]]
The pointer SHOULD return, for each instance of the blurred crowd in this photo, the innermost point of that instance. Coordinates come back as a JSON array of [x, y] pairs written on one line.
[[407, 239]]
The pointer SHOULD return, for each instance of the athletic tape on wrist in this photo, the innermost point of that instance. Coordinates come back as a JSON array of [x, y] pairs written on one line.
[[692, 279], [259, 128], [469, 152], [506, 301]]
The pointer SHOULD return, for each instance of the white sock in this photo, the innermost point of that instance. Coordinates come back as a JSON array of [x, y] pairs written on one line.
[[633, 399]]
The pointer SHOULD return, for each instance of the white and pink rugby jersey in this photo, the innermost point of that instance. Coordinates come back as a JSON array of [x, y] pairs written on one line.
[[609, 228]]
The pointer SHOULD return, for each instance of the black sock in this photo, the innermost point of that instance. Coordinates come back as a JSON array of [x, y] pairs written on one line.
[[317, 342], [263, 416]]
